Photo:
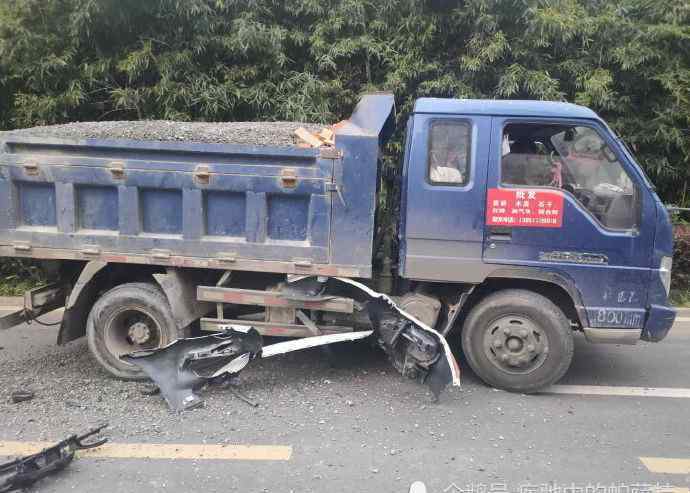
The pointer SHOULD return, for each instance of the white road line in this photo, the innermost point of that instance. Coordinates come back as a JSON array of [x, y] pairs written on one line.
[[682, 319], [678, 393]]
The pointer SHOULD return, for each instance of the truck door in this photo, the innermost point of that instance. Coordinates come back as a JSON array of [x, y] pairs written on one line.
[[444, 184], [563, 197]]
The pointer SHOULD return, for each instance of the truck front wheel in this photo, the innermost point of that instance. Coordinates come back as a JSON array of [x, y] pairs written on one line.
[[518, 341], [130, 317]]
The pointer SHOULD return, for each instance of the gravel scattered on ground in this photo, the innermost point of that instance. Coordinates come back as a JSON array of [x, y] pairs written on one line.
[[281, 134], [296, 392]]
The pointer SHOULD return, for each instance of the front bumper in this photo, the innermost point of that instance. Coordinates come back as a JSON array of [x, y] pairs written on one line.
[[612, 336], [660, 319]]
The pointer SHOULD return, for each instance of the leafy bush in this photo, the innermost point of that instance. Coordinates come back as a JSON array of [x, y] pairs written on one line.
[[217, 60], [18, 276], [681, 264]]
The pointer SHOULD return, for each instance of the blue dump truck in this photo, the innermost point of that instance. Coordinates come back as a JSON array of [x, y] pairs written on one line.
[[507, 227]]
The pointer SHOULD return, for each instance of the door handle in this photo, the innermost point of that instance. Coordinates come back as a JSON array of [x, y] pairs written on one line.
[[500, 233]]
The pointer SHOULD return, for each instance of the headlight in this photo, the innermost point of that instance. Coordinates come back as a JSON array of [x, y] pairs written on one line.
[[665, 273]]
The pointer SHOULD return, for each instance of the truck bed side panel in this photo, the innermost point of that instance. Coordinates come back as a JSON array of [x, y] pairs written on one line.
[[354, 204], [161, 201]]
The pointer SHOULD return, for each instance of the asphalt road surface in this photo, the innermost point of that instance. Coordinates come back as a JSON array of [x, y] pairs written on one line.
[[619, 422]]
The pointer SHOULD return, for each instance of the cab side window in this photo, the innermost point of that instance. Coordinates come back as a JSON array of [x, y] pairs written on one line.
[[575, 159], [449, 153]]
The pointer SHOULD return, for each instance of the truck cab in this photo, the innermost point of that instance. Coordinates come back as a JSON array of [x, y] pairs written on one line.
[[538, 199]]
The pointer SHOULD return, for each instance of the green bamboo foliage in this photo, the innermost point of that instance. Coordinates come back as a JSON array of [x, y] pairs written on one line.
[[219, 60]]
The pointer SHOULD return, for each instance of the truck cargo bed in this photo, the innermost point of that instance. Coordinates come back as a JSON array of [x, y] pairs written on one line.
[[225, 206]]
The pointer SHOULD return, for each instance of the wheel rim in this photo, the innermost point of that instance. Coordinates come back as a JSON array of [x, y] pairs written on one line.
[[515, 344], [131, 329]]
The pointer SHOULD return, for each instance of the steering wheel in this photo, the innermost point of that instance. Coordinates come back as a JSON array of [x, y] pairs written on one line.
[[587, 197]]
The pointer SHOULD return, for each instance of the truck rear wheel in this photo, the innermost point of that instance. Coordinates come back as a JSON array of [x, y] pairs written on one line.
[[130, 317], [518, 341]]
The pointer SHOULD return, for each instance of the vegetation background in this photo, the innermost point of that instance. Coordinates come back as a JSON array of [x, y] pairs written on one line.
[[221, 60]]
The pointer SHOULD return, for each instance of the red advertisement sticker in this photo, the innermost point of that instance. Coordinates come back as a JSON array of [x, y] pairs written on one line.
[[524, 207]]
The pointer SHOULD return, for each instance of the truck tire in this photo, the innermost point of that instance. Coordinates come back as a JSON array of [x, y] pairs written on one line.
[[130, 317], [518, 341]]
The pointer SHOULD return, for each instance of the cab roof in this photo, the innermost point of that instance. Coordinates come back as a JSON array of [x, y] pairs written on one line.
[[503, 107]]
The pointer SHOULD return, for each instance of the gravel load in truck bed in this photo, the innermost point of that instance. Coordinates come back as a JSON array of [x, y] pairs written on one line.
[[281, 134]]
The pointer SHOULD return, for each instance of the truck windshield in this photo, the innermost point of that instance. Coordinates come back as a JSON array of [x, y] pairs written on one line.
[[633, 157], [575, 159]]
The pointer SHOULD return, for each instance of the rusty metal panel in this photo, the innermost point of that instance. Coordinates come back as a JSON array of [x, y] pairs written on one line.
[[224, 261], [217, 294]]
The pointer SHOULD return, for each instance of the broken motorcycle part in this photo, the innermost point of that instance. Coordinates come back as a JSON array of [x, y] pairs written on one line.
[[185, 365], [23, 472], [415, 349], [149, 390]]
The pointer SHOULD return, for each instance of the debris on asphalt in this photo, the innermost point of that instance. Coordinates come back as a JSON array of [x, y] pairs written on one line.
[[225, 381], [74, 404], [21, 396], [244, 398], [150, 389], [184, 366], [25, 471], [415, 349], [280, 134]]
